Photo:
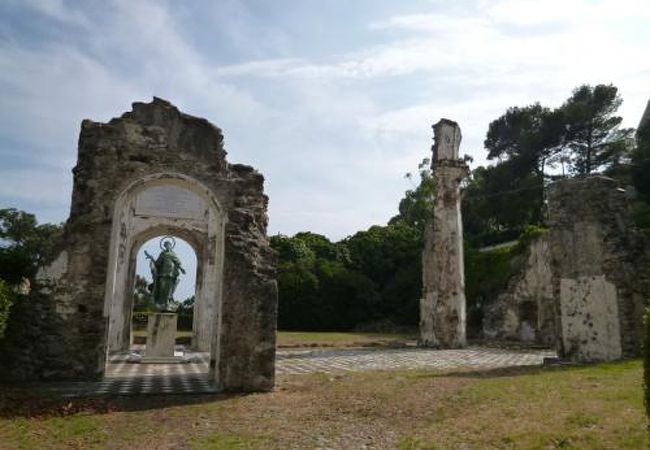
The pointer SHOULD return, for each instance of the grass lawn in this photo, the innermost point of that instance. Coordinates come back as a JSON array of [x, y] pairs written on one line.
[[592, 407], [179, 334], [291, 339], [344, 339]]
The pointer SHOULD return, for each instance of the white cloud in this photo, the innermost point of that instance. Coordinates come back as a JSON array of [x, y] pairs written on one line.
[[58, 10], [332, 133], [532, 12]]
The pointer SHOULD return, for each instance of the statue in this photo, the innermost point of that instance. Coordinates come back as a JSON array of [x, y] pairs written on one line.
[[165, 271]]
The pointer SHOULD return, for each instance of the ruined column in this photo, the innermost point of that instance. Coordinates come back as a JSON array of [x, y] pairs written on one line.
[[442, 307]]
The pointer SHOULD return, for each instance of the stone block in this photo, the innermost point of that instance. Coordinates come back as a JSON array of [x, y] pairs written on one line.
[[161, 335]]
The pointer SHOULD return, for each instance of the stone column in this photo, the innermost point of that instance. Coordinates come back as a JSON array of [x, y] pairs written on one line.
[[442, 307]]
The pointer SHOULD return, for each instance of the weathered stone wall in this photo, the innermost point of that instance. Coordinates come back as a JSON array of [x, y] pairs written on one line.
[[525, 310], [600, 266], [70, 328], [587, 278]]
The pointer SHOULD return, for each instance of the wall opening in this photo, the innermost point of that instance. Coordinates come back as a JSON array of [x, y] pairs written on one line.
[[156, 206], [184, 293]]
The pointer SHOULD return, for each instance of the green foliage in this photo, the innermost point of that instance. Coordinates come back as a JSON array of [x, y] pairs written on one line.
[[486, 274], [497, 204], [390, 257], [646, 363], [530, 233], [528, 136], [186, 306], [142, 298], [592, 130], [641, 162], [416, 206], [582, 136], [7, 298], [24, 244], [373, 276]]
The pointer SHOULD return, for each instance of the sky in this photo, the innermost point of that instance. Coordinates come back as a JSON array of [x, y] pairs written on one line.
[[332, 100]]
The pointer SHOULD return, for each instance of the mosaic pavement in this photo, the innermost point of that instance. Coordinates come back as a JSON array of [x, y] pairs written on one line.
[[128, 378]]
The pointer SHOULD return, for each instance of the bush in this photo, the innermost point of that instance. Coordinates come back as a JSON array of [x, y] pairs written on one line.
[[6, 300], [184, 320], [646, 363]]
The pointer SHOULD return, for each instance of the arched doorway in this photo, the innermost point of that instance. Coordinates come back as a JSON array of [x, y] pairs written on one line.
[[184, 294], [155, 171], [165, 204]]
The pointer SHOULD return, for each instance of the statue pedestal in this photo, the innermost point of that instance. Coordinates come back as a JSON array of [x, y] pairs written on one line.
[[161, 338]]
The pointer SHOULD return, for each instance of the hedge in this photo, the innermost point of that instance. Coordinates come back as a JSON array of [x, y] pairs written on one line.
[[646, 363], [6, 300], [184, 321]]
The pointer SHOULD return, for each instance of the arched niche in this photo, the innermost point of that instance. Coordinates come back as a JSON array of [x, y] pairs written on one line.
[[174, 204]]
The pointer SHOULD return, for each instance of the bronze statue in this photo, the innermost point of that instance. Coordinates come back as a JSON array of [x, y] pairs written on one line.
[[165, 270]]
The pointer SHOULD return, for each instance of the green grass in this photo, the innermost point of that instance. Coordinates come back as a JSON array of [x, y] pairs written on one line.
[[583, 408], [588, 407], [342, 339], [319, 339], [179, 334]]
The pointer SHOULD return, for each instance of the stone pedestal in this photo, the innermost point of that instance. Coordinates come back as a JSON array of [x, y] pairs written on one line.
[[161, 338]]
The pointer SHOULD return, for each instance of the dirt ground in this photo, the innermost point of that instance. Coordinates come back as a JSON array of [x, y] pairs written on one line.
[[591, 407]]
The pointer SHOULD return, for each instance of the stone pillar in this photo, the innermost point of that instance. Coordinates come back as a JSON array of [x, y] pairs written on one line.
[[442, 307], [161, 337]]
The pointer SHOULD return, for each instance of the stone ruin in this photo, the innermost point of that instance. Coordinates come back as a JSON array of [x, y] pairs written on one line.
[[581, 287], [153, 171], [442, 306], [585, 283]]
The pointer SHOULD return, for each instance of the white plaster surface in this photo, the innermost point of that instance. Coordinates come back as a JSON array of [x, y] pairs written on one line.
[[161, 335], [442, 306], [447, 141], [130, 230], [589, 317], [169, 201]]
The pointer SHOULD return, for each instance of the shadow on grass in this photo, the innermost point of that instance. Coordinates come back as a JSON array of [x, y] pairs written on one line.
[[26, 403], [615, 366]]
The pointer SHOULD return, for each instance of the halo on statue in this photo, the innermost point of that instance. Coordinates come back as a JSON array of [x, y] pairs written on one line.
[[165, 239]]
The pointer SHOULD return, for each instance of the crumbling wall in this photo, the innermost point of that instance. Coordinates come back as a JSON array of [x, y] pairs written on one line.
[[587, 277], [69, 325], [601, 280], [525, 309]]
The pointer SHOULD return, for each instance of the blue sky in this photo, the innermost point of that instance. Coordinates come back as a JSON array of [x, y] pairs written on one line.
[[332, 100]]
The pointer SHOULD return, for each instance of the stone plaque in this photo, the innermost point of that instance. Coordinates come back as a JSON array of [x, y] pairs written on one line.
[[169, 201]]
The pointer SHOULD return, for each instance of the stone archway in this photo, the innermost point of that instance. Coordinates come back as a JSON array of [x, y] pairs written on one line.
[[165, 203], [154, 170]]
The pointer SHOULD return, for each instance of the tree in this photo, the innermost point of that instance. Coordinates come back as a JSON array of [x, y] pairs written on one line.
[[6, 301], [390, 257], [499, 202], [641, 161], [142, 298], [24, 244], [527, 136], [592, 132], [416, 206]]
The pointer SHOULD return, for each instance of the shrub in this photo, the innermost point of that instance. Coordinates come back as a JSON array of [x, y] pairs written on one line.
[[6, 300], [646, 362]]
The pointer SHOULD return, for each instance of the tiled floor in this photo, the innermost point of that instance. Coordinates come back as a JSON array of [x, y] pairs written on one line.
[[128, 378]]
